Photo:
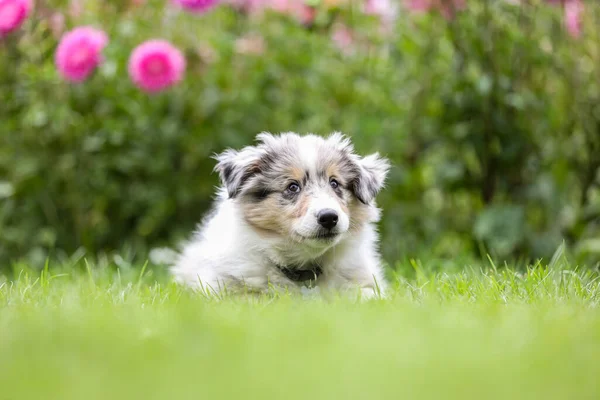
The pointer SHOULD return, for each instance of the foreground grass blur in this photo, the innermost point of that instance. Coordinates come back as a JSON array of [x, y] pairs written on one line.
[[486, 333]]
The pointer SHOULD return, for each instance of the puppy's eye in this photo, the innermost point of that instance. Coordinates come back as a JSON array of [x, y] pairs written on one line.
[[293, 187], [334, 184]]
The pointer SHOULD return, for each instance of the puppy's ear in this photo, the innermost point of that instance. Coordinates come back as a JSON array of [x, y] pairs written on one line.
[[236, 167], [370, 178]]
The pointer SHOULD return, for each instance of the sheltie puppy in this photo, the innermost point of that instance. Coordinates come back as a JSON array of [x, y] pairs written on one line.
[[292, 211]]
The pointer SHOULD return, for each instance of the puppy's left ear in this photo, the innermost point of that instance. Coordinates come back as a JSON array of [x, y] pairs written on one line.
[[372, 171], [237, 167]]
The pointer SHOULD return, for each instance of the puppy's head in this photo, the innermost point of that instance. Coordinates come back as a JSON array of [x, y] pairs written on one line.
[[303, 188]]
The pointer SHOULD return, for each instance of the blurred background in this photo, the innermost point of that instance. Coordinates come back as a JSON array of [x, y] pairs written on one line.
[[488, 109]]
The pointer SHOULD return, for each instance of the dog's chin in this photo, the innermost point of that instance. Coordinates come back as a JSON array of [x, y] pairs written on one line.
[[319, 239]]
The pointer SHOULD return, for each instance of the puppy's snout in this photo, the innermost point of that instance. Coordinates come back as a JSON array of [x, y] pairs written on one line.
[[327, 218]]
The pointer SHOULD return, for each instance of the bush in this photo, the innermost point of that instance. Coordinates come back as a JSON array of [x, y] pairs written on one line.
[[491, 119]]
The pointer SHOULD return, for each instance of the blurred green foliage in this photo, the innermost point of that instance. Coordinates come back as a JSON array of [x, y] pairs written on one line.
[[491, 119]]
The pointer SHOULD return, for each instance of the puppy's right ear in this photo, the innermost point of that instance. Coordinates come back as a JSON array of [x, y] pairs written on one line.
[[236, 167]]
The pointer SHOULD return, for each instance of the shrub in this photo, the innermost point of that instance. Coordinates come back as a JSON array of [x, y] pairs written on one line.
[[489, 114]]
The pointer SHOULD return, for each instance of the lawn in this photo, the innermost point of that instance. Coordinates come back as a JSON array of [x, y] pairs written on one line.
[[485, 333]]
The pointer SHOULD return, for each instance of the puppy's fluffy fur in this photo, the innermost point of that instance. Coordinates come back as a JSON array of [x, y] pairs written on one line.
[[269, 217]]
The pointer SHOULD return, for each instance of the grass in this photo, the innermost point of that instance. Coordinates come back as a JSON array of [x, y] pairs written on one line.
[[484, 333]]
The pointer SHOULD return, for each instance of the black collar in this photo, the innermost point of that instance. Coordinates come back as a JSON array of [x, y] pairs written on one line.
[[301, 275]]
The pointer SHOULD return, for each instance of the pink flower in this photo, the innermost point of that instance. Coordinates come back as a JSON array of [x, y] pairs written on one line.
[[343, 38], [306, 14], [573, 12], [449, 8], [197, 6], [418, 5], [385, 9], [79, 53], [12, 14], [294, 8], [156, 65], [446, 7]]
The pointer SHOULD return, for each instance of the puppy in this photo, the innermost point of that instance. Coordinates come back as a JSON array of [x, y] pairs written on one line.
[[293, 211]]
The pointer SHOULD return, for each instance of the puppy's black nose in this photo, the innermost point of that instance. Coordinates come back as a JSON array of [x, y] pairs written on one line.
[[327, 218]]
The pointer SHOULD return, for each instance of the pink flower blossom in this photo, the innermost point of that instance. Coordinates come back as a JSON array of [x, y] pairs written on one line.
[[343, 38], [306, 14], [446, 7], [12, 14], [156, 65], [294, 8], [418, 5], [573, 12], [385, 9], [79, 53], [196, 6]]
